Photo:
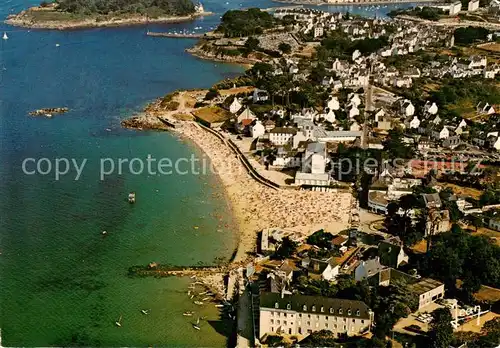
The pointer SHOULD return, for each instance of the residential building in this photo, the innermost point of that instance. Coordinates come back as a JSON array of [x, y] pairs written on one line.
[[391, 255], [281, 135], [367, 269], [428, 291], [377, 202], [473, 5], [235, 106], [494, 224], [257, 129], [432, 200], [321, 269], [302, 315]]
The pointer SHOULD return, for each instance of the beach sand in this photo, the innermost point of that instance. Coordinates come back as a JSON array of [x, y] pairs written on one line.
[[257, 206]]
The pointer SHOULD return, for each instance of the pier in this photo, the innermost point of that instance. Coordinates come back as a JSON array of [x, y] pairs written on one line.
[[176, 35]]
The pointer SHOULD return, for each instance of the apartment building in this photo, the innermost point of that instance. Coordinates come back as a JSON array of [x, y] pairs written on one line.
[[302, 315]]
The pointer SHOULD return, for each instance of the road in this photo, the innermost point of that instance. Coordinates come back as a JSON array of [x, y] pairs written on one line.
[[368, 108]]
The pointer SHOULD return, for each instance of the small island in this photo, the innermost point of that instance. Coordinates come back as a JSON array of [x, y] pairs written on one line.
[[76, 14]]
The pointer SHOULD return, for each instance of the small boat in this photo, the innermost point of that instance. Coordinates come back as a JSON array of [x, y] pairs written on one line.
[[219, 305], [191, 297], [197, 325], [145, 311], [5, 37], [119, 322], [187, 314], [206, 298], [104, 233], [57, 45], [131, 197], [203, 293], [199, 303], [48, 115]]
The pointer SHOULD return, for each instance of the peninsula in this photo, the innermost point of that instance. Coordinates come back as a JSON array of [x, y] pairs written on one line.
[[72, 14]]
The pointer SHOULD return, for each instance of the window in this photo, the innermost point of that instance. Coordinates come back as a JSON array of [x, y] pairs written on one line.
[[272, 329], [272, 314], [358, 312], [300, 330], [284, 323], [322, 309], [289, 306], [331, 310], [272, 321], [276, 305], [349, 312], [362, 321], [304, 308], [300, 315], [290, 331], [313, 308], [335, 326], [340, 310], [317, 317], [317, 324], [326, 324], [326, 317], [309, 316], [354, 320], [284, 314], [277, 322]]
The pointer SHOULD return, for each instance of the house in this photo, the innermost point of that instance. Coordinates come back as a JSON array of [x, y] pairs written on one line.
[[452, 142], [367, 269], [352, 111], [257, 129], [260, 95], [244, 119], [385, 123], [354, 99], [339, 242], [379, 114], [407, 108], [301, 315], [377, 202], [438, 222], [432, 200], [355, 127], [318, 31], [388, 276], [333, 103], [473, 5], [414, 123], [391, 255], [324, 269], [494, 224], [281, 135], [428, 291], [455, 8], [235, 106], [430, 108], [269, 124], [330, 116], [315, 159]]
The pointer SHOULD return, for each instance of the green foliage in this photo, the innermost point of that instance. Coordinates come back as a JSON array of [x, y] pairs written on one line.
[[237, 23], [396, 148], [285, 48], [252, 43], [321, 239], [428, 13], [339, 45], [470, 35], [285, 249], [104, 7], [489, 197], [212, 94], [458, 255], [441, 333]]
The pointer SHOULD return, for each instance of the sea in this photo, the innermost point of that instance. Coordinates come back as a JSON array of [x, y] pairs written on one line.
[[62, 281]]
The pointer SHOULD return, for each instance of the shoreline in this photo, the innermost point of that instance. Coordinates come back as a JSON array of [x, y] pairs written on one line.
[[200, 54], [254, 206], [346, 3], [20, 20]]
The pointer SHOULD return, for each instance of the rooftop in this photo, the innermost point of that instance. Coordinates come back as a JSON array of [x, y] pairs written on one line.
[[316, 305], [424, 285]]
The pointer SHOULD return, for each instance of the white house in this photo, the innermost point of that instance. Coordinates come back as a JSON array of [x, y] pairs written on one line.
[[324, 269], [414, 123], [318, 31], [281, 135], [354, 99], [330, 116], [356, 54], [367, 269], [354, 127], [260, 95], [379, 114], [407, 108], [257, 129], [333, 103], [443, 134], [353, 111], [235, 106], [431, 108], [473, 5]]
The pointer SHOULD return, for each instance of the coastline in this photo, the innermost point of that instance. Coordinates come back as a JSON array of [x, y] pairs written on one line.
[[254, 206], [200, 54], [23, 20], [345, 3]]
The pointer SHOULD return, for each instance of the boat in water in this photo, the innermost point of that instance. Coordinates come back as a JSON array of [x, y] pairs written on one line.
[[5, 37], [119, 322], [145, 311], [131, 197]]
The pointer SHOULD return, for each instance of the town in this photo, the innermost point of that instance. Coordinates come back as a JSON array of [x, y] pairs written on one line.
[[391, 127]]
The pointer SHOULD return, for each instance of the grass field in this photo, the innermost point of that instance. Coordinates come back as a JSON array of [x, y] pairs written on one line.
[[460, 190], [212, 114]]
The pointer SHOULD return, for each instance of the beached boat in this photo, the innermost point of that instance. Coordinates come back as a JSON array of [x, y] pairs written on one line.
[[119, 322], [187, 314], [219, 305], [205, 299], [199, 303], [197, 325], [131, 197], [145, 311]]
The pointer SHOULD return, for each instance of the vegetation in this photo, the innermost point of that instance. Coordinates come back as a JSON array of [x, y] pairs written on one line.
[[285, 48], [237, 23], [428, 13], [339, 45], [143, 7], [458, 255], [402, 225], [285, 249], [470, 35], [321, 239], [441, 333]]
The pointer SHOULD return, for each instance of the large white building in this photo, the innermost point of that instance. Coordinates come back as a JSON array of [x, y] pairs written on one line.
[[281, 135], [302, 315]]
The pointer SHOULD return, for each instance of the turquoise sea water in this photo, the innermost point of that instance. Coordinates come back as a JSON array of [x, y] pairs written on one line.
[[61, 282]]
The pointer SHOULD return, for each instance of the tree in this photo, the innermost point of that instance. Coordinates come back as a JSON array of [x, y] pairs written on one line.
[[285, 249], [252, 43], [285, 48], [321, 239], [212, 94], [441, 333]]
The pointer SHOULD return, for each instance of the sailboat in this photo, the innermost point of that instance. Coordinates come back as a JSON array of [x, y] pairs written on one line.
[[197, 325], [5, 37], [119, 322]]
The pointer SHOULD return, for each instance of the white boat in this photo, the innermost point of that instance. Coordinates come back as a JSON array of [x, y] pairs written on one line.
[[219, 305], [197, 325], [206, 298], [119, 322], [145, 311], [199, 303], [57, 45], [104, 233], [187, 314], [5, 37], [131, 197]]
